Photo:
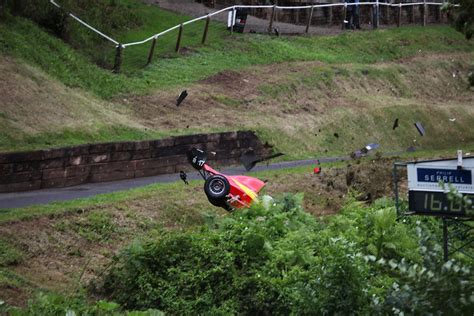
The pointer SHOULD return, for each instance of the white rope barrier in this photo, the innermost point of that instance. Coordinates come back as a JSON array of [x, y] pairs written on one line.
[[86, 25], [233, 8]]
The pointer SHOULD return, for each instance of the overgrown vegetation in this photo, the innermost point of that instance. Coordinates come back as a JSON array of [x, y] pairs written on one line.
[[463, 16], [276, 259]]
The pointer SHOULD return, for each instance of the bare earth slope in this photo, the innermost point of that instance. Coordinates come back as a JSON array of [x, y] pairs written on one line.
[[32, 103], [300, 106]]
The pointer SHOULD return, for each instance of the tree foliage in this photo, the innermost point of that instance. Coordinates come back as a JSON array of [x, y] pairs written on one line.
[[462, 16]]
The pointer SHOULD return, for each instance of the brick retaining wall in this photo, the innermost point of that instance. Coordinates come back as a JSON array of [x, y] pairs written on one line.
[[63, 167]]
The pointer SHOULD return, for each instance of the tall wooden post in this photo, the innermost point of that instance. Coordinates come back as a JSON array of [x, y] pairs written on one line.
[[399, 21], [178, 41], [310, 18], [330, 15], [270, 25], [377, 7], [152, 50], [425, 12], [206, 29], [118, 58], [344, 16]]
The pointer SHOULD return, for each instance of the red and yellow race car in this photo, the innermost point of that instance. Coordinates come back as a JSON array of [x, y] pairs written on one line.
[[228, 192]]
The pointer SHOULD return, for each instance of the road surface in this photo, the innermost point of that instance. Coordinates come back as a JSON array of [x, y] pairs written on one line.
[[24, 199]]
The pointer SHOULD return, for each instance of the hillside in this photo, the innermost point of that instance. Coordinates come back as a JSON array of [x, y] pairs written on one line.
[[337, 247], [364, 80]]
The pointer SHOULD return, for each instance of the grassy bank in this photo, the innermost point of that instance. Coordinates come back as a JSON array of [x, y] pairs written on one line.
[[23, 39]]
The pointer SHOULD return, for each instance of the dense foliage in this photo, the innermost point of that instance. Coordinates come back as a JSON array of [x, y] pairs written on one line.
[[463, 18], [280, 260]]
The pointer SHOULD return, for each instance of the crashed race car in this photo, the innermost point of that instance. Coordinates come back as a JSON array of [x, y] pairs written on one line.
[[228, 192]]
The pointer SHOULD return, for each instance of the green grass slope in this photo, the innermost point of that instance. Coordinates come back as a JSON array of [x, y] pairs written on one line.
[[97, 105], [23, 39]]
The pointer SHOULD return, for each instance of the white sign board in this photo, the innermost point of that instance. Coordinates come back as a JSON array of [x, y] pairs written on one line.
[[426, 175]]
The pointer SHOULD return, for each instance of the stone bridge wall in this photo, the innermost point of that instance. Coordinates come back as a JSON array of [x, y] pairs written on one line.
[[63, 167]]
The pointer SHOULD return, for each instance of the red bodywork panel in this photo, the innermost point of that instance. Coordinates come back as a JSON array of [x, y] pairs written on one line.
[[243, 190]]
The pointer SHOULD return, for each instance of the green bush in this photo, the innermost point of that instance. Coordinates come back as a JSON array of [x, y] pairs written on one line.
[[281, 260], [257, 261]]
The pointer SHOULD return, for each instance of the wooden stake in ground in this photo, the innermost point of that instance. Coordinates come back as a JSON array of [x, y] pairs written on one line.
[[152, 51], [344, 16], [118, 58], [206, 29], [399, 21], [178, 41], [270, 25], [309, 19]]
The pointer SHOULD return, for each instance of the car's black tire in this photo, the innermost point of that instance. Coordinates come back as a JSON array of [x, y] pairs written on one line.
[[220, 203], [216, 187]]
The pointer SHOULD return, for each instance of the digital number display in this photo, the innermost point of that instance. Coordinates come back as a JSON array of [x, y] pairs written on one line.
[[437, 203]]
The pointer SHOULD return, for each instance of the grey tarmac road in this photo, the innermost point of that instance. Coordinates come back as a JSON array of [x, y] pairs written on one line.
[[24, 199]]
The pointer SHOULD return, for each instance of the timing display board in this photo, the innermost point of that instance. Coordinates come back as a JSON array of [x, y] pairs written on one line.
[[427, 197]]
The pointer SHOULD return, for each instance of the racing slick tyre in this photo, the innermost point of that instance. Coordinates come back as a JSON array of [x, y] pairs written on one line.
[[216, 187], [220, 203]]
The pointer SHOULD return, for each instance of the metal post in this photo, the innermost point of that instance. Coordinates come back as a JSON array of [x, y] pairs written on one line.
[[178, 41], [309, 19], [152, 50], [270, 25], [344, 13], [399, 21], [118, 58], [445, 240], [206, 29]]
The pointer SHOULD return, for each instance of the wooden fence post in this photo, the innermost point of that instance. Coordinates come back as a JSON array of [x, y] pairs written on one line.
[[178, 41], [206, 29], [118, 58], [344, 13], [330, 15], [152, 50], [425, 12], [377, 14], [387, 14], [309, 19], [399, 21], [270, 25]]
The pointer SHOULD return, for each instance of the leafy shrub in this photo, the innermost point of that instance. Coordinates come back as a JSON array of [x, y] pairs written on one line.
[[55, 304], [434, 288], [258, 261], [280, 260]]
